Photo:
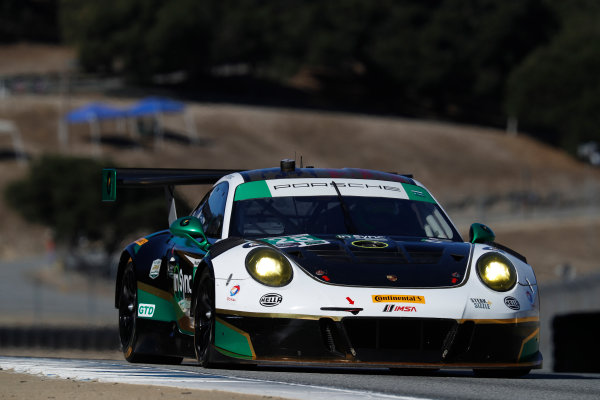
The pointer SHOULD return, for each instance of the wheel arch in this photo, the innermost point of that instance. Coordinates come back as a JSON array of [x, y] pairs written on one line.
[[123, 260], [205, 264]]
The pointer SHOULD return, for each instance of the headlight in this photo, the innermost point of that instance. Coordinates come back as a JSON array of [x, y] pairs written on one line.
[[269, 267], [497, 272]]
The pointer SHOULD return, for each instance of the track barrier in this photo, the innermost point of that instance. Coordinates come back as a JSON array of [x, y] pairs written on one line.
[[102, 338]]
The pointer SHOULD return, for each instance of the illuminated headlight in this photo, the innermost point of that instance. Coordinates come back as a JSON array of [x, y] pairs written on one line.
[[269, 267], [497, 272]]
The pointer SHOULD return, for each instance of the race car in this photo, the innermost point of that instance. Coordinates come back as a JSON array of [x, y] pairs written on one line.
[[311, 266]]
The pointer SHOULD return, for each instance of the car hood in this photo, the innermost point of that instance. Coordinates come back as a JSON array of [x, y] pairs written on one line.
[[378, 261]]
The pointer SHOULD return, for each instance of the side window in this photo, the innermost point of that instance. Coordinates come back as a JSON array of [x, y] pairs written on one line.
[[211, 210]]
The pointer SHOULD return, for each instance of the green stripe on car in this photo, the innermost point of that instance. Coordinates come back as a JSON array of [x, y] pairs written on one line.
[[417, 193], [252, 190]]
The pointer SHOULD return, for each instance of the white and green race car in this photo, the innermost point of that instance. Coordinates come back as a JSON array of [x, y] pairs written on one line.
[[346, 267]]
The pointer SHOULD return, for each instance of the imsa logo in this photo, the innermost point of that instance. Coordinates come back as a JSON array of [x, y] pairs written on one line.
[[270, 300], [146, 310], [393, 307]]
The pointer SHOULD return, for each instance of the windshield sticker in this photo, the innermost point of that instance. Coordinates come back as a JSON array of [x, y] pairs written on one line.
[[326, 187], [303, 240], [417, 193], [252, 190]]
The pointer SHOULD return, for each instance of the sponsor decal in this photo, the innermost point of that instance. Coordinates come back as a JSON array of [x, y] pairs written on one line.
[[530, 297], [393, 307], [270, 300], [185, 222], [455, 277], [234, 290], [481, 303], [354, 185], [350, 300], [141, 241], [512, 303], [251, 244], [182, 283], [155, 269], [391, 278], [184, 305], [361, 237], [320, 272], [146, 310], [398, 298], [369, 244], [295, 241]]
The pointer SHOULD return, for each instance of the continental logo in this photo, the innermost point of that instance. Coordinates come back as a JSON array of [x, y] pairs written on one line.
[[393, 298]]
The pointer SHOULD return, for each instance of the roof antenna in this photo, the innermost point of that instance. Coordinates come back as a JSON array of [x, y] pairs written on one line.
[[301, 163]]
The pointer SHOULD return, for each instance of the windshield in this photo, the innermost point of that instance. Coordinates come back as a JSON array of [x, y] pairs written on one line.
[[277, 216]]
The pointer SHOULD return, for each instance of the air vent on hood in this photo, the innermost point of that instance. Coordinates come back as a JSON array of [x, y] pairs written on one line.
[[424, 256], [334, 255]]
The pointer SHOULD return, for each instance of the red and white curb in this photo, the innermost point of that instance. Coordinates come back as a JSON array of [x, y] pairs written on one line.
[[109, 371]]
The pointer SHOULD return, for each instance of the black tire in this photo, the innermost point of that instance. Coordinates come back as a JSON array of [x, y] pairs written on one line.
[[501, 373], [204, 319], [128, 333]]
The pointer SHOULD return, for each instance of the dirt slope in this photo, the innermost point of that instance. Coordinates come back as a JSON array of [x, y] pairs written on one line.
[[538, 199]]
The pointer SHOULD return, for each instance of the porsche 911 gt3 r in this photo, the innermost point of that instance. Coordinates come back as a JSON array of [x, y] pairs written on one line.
[[316, 266]]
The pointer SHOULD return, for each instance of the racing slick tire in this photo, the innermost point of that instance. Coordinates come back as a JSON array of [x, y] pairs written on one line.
[[501, 373], [128, 306], [204, 319]]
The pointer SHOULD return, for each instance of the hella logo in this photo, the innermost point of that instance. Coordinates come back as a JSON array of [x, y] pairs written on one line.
[[512, 303], [270, 300]]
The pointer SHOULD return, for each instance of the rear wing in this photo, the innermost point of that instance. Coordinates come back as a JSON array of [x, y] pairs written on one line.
[[158, 177]]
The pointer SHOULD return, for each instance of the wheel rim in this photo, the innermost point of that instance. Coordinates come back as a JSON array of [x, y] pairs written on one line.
[[203, 320], [127, 308]]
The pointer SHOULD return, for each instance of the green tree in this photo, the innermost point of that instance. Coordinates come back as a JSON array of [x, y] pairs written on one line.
[[554, 92], [65, 195]]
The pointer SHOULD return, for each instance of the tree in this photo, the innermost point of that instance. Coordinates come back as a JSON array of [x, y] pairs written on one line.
[[65, 195], [554, 92]]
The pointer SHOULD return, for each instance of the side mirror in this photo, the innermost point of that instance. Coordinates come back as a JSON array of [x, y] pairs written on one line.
[[190, 228], [480, 233]]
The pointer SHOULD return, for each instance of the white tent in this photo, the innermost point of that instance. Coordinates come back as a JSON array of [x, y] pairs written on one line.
[[9, 128]]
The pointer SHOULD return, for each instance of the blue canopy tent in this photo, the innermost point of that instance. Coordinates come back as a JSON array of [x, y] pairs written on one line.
[[92, 114], [156, 107], [94, 111]]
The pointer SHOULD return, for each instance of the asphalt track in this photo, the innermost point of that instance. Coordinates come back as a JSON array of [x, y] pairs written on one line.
[[319, 383]]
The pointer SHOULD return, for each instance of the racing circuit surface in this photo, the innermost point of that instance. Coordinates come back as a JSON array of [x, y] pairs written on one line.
[[317, 383]]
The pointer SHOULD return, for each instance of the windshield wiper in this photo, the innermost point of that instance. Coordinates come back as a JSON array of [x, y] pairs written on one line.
[[350, 227]]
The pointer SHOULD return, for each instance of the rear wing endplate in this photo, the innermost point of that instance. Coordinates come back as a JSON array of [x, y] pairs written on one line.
[[158, 177]]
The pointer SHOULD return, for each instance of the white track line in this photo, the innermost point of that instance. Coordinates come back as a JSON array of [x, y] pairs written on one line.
[[106, 371]]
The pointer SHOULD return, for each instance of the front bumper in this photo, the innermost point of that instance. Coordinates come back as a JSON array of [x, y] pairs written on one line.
[[377, 341]]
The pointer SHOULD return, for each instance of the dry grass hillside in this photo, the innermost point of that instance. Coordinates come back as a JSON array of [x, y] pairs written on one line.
[[539, 200]]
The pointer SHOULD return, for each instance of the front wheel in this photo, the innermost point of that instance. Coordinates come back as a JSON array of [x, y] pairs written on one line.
[[204, 319]]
